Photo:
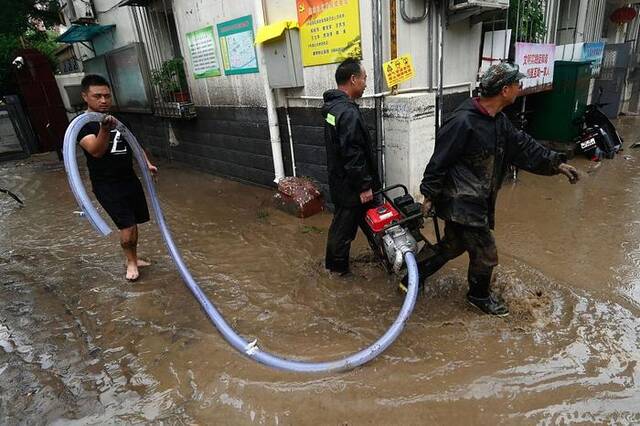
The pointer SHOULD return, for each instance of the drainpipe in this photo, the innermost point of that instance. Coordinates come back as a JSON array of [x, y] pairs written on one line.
[[377, 85], [439, 107], [272, 115]]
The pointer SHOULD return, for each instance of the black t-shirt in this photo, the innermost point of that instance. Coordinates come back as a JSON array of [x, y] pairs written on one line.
[[116, 165]]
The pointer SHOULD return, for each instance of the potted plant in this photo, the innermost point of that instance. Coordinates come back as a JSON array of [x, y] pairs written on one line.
[[171, 80]]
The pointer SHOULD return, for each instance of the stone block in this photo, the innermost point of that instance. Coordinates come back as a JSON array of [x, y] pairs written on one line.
[[298, 196]]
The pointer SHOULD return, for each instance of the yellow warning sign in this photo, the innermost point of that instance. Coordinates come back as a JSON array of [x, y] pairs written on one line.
[[398, 70]]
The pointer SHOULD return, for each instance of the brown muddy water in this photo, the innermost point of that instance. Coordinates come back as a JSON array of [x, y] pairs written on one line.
[[80, 345]]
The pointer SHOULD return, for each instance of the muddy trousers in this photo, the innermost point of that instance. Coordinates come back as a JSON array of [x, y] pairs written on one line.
[[483, 255], [342, 232]]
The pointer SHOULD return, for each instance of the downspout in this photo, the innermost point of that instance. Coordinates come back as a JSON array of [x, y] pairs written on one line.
[[439, 106], [272, 115], [430, 46], [377, 85]]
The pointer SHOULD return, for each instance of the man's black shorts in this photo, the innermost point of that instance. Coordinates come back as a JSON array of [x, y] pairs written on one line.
[[123, 201]]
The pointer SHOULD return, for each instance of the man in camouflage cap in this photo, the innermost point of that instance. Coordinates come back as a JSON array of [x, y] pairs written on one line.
[[499, 76], [474, 148]]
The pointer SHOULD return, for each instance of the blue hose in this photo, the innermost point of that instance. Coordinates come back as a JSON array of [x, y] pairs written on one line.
[[249, 349]]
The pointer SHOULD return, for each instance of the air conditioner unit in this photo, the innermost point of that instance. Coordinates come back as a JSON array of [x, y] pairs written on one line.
[[456, 5], [80, 11]]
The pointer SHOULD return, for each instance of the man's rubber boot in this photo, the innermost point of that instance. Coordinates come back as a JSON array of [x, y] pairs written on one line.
[[426, 268], [480, 295]]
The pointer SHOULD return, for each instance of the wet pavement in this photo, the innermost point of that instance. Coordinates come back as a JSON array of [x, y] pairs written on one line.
[[80, 345]]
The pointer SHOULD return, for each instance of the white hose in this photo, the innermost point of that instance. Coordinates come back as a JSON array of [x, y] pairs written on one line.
[[249, 349]]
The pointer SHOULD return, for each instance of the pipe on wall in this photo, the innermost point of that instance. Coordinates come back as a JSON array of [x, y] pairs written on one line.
[[272, 115], [377, 83], [413, 19], [441, 16]]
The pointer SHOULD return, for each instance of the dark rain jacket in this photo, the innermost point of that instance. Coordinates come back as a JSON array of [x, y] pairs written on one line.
[[350, 155], [472, 153]]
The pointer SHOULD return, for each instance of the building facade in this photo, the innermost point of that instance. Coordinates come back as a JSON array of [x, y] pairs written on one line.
[[236, 125]]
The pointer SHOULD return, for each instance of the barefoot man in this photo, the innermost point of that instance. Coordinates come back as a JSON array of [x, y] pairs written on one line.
[[110, 163]]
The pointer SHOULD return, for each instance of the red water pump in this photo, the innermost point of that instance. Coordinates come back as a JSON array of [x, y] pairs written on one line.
[[394, 227]]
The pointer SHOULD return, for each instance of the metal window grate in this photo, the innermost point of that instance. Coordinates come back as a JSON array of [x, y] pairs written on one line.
[[155, 28]]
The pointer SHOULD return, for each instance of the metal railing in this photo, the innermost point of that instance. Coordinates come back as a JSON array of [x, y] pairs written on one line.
[[155, 28]]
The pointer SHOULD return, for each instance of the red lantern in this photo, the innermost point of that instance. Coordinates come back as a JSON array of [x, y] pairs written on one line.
[[623, 15]]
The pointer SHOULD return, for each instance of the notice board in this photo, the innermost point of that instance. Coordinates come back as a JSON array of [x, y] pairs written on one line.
[[237, 46], [329, 31], [536, 63], [202, 50]]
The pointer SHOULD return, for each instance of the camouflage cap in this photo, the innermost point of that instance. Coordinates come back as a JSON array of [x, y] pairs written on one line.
[[498, 76]]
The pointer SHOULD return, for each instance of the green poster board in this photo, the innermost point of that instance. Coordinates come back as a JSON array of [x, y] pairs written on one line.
[[202, 49], [237, 46]]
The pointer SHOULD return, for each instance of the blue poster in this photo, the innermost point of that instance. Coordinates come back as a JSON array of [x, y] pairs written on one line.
[[593, 52], [238, 46]]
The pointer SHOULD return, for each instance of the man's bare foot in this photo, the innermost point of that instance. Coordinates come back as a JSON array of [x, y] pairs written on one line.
[[132, 272]]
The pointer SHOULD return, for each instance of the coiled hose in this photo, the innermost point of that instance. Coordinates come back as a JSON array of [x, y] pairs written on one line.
[[249, 349]]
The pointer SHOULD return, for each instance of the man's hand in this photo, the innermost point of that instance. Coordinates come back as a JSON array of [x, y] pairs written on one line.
[[108, 122], [426, 207], [153, 169], [366, 196], [570, 172]]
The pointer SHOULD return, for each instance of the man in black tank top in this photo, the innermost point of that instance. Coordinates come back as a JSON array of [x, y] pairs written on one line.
[[110, 163]]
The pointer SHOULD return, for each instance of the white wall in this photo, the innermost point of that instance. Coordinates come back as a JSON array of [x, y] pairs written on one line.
[[414, 39], [247, 89], [191, 15], [107, 14], [462, 47], [461, 53]]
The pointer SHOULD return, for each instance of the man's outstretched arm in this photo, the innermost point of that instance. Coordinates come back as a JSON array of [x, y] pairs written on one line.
[[531, 156]]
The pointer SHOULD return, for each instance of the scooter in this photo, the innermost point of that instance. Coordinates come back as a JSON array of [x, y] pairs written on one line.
[[599, 138]]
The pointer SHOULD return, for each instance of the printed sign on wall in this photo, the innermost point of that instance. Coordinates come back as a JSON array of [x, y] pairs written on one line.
[[203, 53], [237, 46], [593, 52], [398, 70], [329, 31], [536, 62]]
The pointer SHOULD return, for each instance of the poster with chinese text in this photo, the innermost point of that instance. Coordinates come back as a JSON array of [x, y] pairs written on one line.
[[593, 52], [202, 49], [398, 70], [237, 46], [329, 31], [536, 63]]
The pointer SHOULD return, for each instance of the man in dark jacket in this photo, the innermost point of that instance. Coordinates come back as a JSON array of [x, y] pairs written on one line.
[[350, 160], [473, 150]]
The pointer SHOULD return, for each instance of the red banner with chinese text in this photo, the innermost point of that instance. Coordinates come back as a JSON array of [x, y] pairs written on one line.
[[307, 8]]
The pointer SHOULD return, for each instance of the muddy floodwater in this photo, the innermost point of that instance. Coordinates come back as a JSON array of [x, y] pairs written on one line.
[[79, 345]]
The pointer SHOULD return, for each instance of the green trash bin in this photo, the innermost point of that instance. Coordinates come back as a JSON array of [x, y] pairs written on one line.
[[553, 112]]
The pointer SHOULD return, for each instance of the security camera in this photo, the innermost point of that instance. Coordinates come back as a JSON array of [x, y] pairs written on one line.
[[18, 62]]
